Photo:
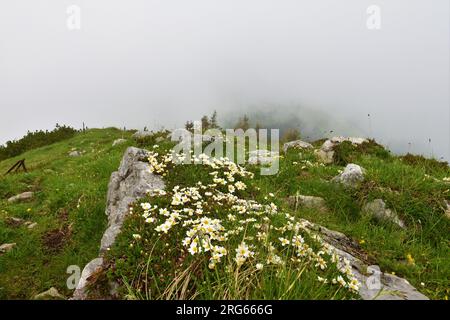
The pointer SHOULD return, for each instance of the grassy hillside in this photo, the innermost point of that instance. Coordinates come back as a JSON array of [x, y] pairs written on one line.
[[152, 264], [68, 207], [69, 204]]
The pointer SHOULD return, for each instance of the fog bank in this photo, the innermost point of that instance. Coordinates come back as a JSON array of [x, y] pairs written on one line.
[[159, 63]]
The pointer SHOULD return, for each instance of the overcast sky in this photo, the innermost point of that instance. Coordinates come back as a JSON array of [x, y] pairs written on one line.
[[139, 63]]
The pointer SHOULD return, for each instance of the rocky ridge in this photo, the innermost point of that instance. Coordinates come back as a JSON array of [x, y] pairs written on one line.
[[132, 181]]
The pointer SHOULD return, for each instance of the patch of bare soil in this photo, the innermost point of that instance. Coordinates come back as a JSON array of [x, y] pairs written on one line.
[[54, 240]]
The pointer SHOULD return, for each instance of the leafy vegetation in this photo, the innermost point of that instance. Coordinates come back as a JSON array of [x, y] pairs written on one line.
[[206, 122], [152, 138], [417, 197], [346, 152], [431, 166], [155, 265], [68, 207], [213, 235], [35, 140]]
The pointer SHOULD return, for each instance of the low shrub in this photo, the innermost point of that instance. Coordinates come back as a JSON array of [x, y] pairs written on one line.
[[346, 152], [430, 165], [35, 140]]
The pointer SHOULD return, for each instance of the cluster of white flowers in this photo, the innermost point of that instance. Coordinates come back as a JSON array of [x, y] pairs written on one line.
[[155, 165], [308, 164], [344, 266], [215, 221], [243, 252], [445, 179]]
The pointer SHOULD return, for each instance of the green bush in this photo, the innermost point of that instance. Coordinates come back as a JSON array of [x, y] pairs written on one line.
[[429, 165], [346, 152], [34, 140], [150, 140]]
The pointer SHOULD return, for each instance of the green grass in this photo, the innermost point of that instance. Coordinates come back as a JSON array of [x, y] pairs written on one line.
[[70, 195], [157, 266], [404, 186], [418, 199]]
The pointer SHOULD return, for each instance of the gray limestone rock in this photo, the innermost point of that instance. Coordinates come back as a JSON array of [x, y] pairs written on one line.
[[297, 144], [21, 197], [375, 284], [50, 294], [131, 182], [351, 176], [377, 209]]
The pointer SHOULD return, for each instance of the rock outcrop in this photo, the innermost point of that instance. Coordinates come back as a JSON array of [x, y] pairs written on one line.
[[94, 266], [375, 284], [297, 144], [326, 152], [75, 154], [351, 176], [309, 202], [377, 209], [353, 140], [132, 181], [21, 197], [6, 247]]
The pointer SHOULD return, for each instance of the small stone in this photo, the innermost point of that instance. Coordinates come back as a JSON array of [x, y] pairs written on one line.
[[353, 140], [118, 141], [378, 210], [7, 247], [326, 152], [75, 154], [92, 267], [351, 176], [309, 202], [15, 222], [32, 225], [324, 156], [20, 197], [447, 212], [50, 294], [328, 145]]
